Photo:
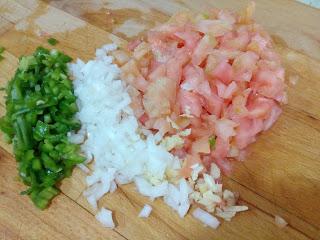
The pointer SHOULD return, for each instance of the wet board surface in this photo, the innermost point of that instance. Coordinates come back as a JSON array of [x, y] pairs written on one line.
[[281, 176]]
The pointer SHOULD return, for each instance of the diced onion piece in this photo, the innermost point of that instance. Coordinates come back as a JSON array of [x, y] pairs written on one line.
[[196, 169], [215, 171], [206, 218], [280, 222], [113, 186], [225, 215], [236, 209], [145, 212], [229, 197], [105, 217], [83, 168]]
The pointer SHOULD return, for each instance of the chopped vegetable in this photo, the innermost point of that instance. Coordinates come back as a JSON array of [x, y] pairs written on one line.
[[212, 142], [1, 51], [40, 108], [53, 41], [280, 222], [145, 211], [206, 218], [105, 217]]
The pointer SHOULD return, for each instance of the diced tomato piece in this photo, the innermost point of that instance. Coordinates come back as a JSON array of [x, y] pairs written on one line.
[[158, 72], [202, 50], [225, 129], [190, 38], [267, 84], [225, 165], [193, 76], [247, 131], [189, 103], [131, 74], [260, 107], [159, 96], [189, 162], [221, 149], [201, 145], [224, 72], [133, 44], [214, 27], [230, 90]]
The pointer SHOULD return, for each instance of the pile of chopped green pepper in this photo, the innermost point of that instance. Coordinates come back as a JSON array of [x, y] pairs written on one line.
[[41, 109]]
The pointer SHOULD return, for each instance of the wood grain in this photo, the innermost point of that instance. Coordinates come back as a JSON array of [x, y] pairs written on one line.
[[280, 176]]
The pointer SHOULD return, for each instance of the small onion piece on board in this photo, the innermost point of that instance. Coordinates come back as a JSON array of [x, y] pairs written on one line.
[[145, 212], [105, 217], [280, 222], [206, 218]]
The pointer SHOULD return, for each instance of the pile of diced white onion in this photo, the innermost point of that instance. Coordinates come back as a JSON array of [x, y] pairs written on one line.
[[124, 153]]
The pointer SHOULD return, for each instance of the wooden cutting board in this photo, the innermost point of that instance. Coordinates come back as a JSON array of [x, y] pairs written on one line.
[[280, 177]]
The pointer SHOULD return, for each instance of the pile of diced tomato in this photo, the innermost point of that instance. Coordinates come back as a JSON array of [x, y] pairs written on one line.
[[216, 74]]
